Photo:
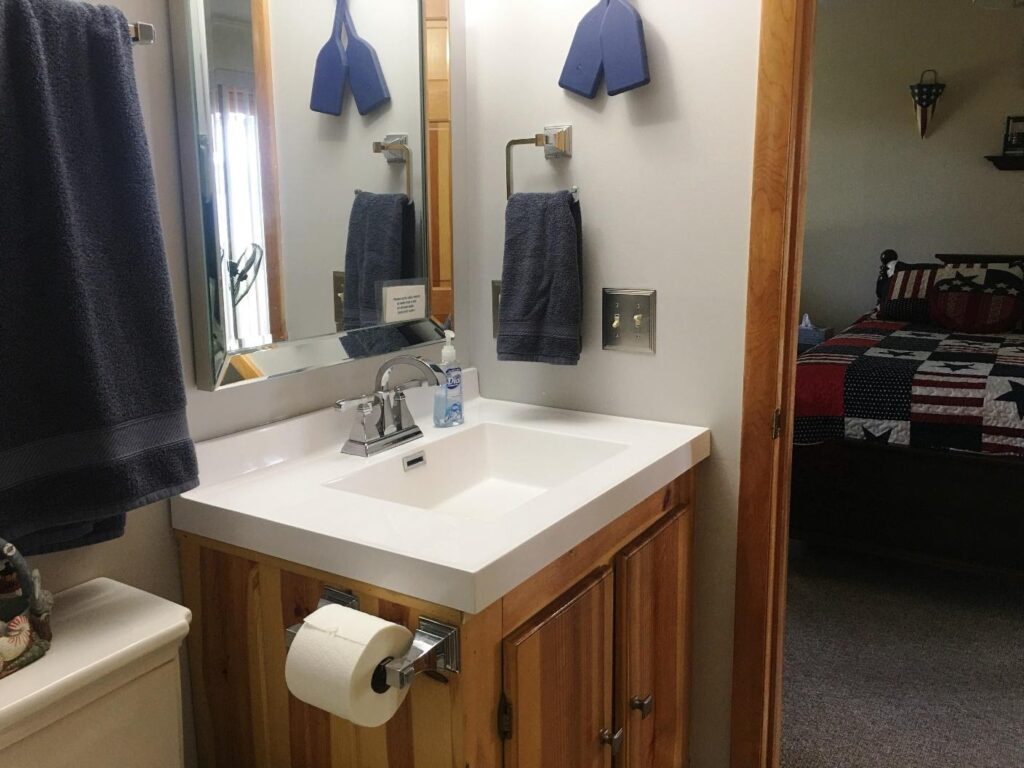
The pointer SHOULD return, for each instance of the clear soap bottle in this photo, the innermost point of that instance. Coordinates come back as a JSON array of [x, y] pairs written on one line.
[[448, 397]]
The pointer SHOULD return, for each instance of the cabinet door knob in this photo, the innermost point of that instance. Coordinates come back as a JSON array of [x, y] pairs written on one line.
[[643, 706], [613, 740]]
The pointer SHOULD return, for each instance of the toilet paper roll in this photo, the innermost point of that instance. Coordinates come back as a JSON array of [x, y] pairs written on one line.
[[332, 659]]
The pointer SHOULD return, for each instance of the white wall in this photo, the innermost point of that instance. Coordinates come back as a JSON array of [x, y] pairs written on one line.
[[665, 177], [324, 158], [873, 183]]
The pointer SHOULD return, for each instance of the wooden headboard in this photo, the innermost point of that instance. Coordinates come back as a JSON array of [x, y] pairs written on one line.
[[889, 258], [977, 258]]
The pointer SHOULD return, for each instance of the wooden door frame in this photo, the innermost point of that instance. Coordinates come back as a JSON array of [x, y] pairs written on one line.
[[773, 292]]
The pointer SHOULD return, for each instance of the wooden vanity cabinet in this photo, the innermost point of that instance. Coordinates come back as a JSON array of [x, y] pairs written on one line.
[[556, 674]]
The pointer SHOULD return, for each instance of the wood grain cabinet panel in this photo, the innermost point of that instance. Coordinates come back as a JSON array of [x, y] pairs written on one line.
[[558, 681], [652, 683]]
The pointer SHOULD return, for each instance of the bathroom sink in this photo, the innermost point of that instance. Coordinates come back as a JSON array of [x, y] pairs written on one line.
[[458, 517], [479, 472]]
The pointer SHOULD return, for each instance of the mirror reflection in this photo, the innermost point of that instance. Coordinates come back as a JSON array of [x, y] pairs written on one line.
[[319, 131]]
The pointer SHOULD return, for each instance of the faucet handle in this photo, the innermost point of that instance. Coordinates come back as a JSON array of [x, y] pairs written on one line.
[[363, 402]]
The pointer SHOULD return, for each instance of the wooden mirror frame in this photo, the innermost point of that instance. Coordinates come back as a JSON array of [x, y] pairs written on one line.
[[776, 244]]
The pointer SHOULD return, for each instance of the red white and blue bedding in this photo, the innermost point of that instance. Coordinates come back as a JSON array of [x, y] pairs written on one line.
[[903, 384]]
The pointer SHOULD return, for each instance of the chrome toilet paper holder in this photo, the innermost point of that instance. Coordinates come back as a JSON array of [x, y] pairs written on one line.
[[435, 646]]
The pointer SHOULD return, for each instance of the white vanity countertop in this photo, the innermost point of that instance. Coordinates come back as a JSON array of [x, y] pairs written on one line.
[[267, 490]]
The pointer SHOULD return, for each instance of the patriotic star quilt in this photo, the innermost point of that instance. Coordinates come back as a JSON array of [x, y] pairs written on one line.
[[898, 383]]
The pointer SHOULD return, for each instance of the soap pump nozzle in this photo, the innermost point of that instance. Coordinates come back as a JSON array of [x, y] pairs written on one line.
[[448, 350]]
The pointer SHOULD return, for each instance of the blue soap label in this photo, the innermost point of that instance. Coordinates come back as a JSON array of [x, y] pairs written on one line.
[[454, 378]]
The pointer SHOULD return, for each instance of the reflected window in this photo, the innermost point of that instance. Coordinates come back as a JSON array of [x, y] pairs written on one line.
[[240, 234]]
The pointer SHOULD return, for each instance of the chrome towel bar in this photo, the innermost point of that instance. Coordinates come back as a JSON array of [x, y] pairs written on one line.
[[557, 143]]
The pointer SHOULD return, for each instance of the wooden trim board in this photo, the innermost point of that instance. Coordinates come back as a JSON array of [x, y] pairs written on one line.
[[274, 258], [776, 239]]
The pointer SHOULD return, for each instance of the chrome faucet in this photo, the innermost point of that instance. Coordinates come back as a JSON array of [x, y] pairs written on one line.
[[384, 419]]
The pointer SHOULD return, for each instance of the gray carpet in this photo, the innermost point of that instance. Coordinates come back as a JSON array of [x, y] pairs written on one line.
[[901, 666]]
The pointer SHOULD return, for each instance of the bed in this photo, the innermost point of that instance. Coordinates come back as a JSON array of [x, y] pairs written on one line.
[[909, 438]]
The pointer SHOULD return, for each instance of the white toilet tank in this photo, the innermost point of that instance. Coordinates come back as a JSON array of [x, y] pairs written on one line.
[[108, 693]]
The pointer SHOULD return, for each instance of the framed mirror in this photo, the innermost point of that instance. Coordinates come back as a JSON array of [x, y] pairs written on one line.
[[315, 145]]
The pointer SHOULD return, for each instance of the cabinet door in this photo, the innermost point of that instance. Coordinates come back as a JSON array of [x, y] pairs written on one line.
[[558, 681], [652, 675]]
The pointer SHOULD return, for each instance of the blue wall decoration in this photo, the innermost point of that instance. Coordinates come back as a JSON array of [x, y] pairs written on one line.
[[355, 65], [609, 43]]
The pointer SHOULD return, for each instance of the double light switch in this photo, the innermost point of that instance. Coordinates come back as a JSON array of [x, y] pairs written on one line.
[[628, 316]]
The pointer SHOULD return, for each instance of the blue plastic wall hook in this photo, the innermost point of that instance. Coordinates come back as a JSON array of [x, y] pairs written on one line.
[[331, 72], [369, 87], [609, 43], [347, 60], [584, 66]]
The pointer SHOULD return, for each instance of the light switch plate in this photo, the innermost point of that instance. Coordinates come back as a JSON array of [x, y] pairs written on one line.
[[628, 320]]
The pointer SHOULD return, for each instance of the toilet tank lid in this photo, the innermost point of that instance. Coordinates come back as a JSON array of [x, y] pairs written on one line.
[[99, 628]]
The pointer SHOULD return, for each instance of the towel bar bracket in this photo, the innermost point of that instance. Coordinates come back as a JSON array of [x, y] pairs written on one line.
[[557, 141], [142, 33], [395, 147]]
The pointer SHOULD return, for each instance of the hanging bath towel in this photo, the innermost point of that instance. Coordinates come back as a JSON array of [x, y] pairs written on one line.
[[92, 404]]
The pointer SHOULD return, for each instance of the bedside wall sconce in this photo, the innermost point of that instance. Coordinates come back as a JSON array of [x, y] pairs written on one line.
[[925, 95]]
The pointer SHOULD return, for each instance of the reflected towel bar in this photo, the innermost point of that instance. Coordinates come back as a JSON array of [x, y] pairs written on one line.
[[395, 149], [557, 143]]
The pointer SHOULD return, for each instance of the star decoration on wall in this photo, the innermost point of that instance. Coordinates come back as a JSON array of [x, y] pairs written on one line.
[[1015, 396]]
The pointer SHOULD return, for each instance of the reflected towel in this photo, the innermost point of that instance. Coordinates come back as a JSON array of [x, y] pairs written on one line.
[[92, 404], [541, 281], [381, 247]]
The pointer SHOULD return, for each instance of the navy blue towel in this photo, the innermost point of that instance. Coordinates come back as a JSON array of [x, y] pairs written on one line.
[[541, 281], [92, 403], [381, 247]]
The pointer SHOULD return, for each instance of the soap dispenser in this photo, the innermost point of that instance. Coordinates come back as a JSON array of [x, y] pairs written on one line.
[[448, 398]]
